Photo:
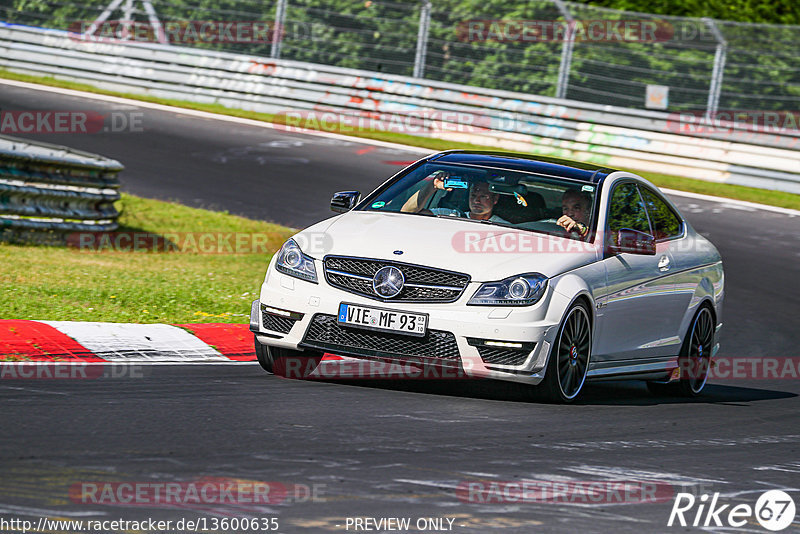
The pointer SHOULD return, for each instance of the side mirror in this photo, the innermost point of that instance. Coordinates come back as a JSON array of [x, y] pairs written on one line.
[[633, 242], [344, 201]]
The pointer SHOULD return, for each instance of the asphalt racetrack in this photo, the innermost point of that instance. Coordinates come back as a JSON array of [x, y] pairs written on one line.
[[384, 449]]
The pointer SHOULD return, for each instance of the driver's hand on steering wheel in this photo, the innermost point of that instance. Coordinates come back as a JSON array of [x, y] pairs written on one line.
[[570, 225]]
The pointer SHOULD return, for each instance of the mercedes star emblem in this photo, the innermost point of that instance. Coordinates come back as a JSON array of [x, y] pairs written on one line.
[[388, 282]]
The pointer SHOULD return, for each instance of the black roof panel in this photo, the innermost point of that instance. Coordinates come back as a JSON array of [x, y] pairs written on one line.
[[527, 163]]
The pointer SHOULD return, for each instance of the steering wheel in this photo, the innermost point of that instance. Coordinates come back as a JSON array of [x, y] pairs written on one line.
[[549, 226]]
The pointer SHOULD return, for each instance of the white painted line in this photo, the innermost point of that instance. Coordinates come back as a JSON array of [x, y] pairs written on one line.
[[135, 342], [733, 202], [34, 390], [261, 124], [622, 473], [429, 483]]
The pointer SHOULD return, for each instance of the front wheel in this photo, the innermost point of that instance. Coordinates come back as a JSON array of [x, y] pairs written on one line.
[[263, 356], [569, 358], [287, 363]]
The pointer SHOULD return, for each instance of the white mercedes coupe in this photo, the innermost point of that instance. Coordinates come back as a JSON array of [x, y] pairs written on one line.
[[504, 267]]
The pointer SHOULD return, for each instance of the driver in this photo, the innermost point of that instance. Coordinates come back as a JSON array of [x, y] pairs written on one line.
[[575, 206], [481, 200]]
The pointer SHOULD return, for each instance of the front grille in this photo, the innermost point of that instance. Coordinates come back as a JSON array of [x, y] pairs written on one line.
[[277, 323], [499, 356], [325, 333], [422, 284]]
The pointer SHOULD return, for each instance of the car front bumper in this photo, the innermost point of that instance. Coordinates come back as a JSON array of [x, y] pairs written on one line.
[[287, 309]]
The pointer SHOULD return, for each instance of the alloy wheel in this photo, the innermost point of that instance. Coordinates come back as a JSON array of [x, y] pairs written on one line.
[[574, 348]]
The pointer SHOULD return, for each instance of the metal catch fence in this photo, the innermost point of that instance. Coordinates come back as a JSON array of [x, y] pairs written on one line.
[[545, 47]]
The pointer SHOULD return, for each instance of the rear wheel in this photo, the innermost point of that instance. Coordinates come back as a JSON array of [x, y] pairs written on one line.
[[287, 363], [694, 361], [569, 359], [695, 358]]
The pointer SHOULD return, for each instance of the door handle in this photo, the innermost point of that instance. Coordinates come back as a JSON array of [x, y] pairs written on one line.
[[663, 264]]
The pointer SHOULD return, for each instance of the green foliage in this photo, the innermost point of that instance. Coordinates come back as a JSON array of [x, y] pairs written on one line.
[[767, 11], [380, 35]]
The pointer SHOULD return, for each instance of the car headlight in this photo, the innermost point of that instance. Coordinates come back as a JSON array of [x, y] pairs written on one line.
[[520, 290], [293, 262]]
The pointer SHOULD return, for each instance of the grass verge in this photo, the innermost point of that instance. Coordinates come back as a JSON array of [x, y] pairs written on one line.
[[750, 194], [189, 285]]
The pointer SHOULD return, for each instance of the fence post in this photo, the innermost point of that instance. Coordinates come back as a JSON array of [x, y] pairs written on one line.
[[715, 88], [154, 22], [566, 50], [110, 8], [422, 39], [279, 30], [127, 19]]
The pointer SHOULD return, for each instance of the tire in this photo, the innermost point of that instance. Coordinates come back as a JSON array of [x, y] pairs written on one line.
[[694, 360], [263, 356], [286, 362], [569, 357]]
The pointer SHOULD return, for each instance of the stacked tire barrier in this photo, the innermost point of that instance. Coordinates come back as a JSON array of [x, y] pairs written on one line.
[[49, 190], [605, 135]]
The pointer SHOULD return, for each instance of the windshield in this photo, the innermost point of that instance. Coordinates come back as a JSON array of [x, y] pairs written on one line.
[[492, 196]]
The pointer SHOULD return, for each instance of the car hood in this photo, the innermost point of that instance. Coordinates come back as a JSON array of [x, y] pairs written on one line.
[[483, 251]]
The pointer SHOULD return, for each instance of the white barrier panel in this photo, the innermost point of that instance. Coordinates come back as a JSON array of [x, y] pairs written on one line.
[[609, 136]]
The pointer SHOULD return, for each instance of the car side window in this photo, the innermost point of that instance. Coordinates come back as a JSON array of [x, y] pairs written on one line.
[[627, 210], [665, 223]]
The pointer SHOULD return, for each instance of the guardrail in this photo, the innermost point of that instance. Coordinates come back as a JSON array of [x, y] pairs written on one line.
[[606, 135], [47, 187]]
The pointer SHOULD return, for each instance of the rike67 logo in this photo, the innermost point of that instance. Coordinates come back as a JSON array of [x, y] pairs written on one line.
[[774, 510]]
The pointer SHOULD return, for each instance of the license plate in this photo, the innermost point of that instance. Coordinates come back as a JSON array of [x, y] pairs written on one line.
[[413, 324]]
